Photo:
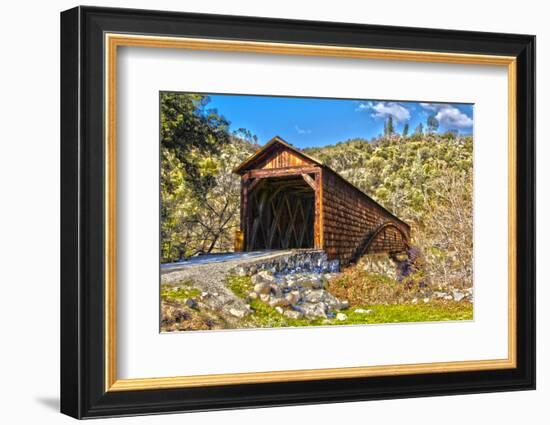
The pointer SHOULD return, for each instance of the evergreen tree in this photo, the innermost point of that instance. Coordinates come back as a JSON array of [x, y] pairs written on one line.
[[432, 123], [388, 126], [406, 130]]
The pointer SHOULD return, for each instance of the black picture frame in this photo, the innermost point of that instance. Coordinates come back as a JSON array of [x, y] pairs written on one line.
[[82, 218]]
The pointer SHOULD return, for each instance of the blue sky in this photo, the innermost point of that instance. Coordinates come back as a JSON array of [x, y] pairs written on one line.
[[308, 122]]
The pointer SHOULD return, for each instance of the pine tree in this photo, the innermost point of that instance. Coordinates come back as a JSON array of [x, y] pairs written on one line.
[[432, 123], [406, 130], [419, 130], [388, 127]]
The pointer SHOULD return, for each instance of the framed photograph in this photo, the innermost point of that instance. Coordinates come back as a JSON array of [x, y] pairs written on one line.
[[261, 212]]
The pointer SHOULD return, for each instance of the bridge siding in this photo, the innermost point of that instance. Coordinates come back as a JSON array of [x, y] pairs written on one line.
[[349, 215]]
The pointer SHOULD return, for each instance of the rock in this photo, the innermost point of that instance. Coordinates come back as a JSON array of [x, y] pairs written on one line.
[[314, 281], [278, 302], [240, 271], [458, 296], [315, 296], [293, 297], [341, 317], [332, 301], [344, 305], [426, 300], [238, 313], [276, 290], [334, 266], [438, 294], [363, 311], [414, 300], [448, 297], [191, 303], [253, 295], [263, 277], [290, 282], [293, 314], [264, 297], [313, 310], [279, 310], [262, 288]]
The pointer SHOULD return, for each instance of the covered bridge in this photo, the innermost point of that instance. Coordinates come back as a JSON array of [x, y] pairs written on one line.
[[291, 200]]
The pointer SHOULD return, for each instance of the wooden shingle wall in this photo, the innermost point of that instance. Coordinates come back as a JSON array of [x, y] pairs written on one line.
[[350, 218]]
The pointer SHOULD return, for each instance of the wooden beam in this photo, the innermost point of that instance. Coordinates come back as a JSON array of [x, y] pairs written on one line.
[[255, 183], [310, 181], [280, 172]]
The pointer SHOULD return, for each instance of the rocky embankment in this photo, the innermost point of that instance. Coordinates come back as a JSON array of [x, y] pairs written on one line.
[[297, 295]]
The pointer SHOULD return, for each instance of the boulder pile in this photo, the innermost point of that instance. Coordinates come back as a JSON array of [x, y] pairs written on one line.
[[297, 295]]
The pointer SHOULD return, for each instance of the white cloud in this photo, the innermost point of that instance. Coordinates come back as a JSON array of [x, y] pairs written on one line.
[[385, 109], [449, 116], [302, 130]]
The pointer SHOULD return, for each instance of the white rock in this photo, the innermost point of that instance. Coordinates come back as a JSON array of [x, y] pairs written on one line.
[[293, 314], [313, 310], [264, 298], [458, 296], [279, 310], [263, 276], [414, 300], [253, 295], [237, 313], [426, 300], [341, 317], [363, 311]]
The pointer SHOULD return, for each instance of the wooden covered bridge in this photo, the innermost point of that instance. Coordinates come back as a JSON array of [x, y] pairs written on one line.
[[291, 200]]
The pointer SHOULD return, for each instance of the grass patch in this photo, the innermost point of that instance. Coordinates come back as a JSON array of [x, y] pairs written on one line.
[[403, 313], [265, 316], [240, 285], [181, 292]]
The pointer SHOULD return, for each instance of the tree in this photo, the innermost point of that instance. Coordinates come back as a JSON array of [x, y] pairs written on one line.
[[419, 130], [388, 126], [406, 130], [199, 194], [432, 123]]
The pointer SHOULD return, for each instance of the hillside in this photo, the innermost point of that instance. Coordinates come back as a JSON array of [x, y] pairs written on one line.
[[427, 181]]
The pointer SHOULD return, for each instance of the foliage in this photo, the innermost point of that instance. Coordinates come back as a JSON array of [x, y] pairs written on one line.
[[362, 287], [426, 180], [433, 124], [199, 193]]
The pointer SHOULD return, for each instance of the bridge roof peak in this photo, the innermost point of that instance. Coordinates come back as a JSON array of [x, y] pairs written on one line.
[[274, 145]]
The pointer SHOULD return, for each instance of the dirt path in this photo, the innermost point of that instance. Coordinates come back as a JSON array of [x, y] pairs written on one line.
[[208, 275]]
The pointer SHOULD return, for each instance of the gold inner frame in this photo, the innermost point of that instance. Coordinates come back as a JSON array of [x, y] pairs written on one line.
[[113, 41]]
